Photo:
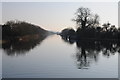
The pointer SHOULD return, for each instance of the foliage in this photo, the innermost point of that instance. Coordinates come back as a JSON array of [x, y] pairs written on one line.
[[20, 28], [88, 26], [68, 33]]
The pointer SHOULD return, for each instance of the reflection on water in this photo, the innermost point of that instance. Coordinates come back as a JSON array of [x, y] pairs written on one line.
[[54, 58], [13, 48], [89, 50]]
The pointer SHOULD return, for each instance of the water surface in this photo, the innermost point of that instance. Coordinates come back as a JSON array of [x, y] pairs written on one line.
[[54, 57]]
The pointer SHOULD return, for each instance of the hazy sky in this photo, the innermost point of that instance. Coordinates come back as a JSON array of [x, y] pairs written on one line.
[[57, 15], [0, 12], [119, 13], [59, 0]]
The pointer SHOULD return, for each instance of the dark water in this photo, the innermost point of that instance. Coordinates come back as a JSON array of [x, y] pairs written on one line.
[[54, 57]]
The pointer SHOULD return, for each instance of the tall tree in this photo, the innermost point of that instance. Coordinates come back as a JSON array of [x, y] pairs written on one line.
[[84, 18]]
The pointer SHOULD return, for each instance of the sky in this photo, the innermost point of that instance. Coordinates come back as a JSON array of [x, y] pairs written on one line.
[[0, 12], [56, 16], [119, 13], [59, 0]]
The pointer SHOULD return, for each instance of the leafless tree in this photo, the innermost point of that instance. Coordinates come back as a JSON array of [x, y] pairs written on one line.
[[84, 18]]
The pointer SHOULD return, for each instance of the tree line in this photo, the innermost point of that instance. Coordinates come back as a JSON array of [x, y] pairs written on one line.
[[14, 29], [88, 27]]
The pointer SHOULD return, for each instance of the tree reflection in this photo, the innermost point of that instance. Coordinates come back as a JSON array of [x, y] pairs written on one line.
[[86, 53], [67, 40], [89, 50], [19, 47]]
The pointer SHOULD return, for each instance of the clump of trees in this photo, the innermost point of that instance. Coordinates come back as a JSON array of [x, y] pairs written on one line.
[[21, 36], [91, 38], [68, 33], [13, 29], [88, 26]]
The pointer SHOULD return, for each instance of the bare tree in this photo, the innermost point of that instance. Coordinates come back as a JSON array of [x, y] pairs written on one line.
[[84, 18]]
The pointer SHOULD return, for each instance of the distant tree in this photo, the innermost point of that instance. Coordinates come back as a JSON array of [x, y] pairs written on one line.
[[68, 33], [84, 18], [98, 29], [119, 33], [113, 28], [119, 29], [106, 26]]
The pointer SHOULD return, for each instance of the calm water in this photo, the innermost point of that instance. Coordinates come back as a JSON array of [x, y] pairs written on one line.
[[54, 57]]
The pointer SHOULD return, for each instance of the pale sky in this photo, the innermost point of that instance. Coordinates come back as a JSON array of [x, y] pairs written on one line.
[[59, 0], [119, 15], [57, 15], [0, 12]]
